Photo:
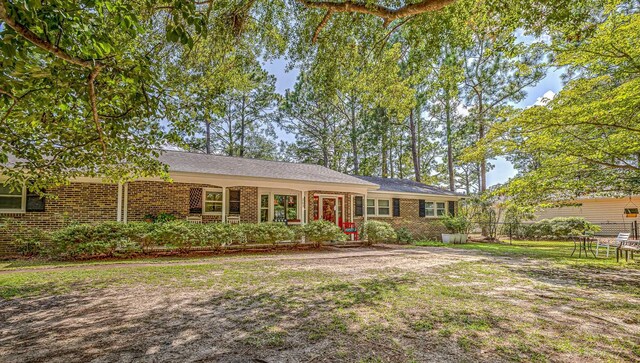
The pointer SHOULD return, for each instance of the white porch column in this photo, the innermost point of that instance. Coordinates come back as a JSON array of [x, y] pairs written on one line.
[[224, 204], [304, 207], [126, 203], [119, 204], [364, 207]]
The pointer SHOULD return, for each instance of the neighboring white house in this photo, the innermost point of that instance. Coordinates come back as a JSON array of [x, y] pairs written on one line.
[[597, 209], [613, 215]]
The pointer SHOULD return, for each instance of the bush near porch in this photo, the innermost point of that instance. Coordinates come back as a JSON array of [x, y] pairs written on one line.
[[110, 239]]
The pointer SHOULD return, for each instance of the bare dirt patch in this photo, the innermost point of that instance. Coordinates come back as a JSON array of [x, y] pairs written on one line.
[[393, 304]]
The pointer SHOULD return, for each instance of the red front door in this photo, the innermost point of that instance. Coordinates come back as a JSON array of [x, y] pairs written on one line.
[[329, 209]]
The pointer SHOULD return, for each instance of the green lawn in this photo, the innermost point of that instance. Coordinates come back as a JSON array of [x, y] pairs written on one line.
[[558, 251], [474, 302]]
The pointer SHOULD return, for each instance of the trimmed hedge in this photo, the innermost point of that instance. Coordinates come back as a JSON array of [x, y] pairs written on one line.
[[555, 228], [377, 232], [120, 239], [322, 231]]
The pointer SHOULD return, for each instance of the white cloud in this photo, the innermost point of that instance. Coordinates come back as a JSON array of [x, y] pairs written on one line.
[[462, 111], [546, 97]]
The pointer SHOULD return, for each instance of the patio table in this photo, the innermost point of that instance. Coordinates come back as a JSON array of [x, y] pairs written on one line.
[[582, 243]]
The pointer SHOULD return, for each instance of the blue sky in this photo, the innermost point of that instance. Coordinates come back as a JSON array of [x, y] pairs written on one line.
[[503, 169]]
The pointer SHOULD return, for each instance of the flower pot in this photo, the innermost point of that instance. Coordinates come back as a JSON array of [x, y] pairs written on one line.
[[448, 238], [462, 238]]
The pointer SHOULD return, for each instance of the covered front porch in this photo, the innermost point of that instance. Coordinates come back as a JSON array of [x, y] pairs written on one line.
[[239, 200]]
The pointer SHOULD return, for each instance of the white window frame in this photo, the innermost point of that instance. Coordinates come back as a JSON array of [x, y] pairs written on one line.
[[272, 192], [377, 207], [273, 206], [204, 201], [23, 204], [268, 207], [434, 209]]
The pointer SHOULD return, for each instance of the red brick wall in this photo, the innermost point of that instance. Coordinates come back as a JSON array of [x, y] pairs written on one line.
[[80, 202], [95, 202], [419, 227]]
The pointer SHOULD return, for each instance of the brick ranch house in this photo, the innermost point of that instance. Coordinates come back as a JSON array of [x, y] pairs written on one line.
[[221, 189]]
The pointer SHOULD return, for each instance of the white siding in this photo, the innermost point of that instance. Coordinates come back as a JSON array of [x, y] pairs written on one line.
[[596, 210]]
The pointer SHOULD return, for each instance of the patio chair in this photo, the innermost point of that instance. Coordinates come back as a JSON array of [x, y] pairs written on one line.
[[350, 229], [604, 242], [627, 246], [194, 219], [233, 219]]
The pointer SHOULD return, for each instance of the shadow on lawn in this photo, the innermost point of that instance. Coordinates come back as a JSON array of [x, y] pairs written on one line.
[[609, 280], [290, 325]]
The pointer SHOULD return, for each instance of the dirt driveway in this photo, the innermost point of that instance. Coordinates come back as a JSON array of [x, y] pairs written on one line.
[[356, 305]]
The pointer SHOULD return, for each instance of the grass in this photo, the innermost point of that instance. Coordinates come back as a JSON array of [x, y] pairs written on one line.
[[557, 251], [539, 304]]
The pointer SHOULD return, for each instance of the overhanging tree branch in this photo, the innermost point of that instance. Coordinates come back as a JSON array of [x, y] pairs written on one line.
[[95, 65], [42, 43], [385, 13], [94, 106]]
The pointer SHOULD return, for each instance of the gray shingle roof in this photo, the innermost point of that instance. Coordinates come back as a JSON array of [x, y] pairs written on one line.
[[406, 186], [233, 166]]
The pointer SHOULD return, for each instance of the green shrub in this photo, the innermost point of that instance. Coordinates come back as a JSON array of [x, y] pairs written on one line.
[[377, 232], [71, 241], [556, 228], [176, 234], [266, 233], [141, 234], [32, 242], [323, 231], [404, 235], [164, 217], [456, 224]]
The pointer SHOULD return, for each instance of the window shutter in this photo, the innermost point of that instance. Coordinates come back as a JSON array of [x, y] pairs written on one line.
[[195, 200], [452, 208], [35, 203], [421, 208], [396, 207], [234, 202], [358, 201]]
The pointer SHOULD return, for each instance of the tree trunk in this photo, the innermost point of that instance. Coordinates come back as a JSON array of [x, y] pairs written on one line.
[[483, 161], [414, 147], [242, 125], [207, 125], [384, 144], [354, 141], [452, 185]]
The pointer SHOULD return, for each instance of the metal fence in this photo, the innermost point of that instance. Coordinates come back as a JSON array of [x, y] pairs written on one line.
[[607, 229]]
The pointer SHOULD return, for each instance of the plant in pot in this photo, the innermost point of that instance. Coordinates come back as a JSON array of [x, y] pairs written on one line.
[[457, 227]]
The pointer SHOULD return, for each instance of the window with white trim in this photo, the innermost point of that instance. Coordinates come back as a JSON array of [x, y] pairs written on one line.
[[212, 202], [11, 201], [371, 207], [379, 207], [264, 208], [432, 209], [285, 207]]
